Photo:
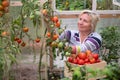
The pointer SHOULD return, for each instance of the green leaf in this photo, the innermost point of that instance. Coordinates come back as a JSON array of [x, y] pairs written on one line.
[[12, 57]]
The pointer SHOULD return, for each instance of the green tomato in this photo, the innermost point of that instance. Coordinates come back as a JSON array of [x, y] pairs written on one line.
[[60, 31], [67, 54], [60, 44], [32, 16], [51, 25], [57, 40]]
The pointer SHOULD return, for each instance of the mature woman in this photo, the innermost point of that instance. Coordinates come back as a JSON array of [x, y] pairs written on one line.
[[85, 38]]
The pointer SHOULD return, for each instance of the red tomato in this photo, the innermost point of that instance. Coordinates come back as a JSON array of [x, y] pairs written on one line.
[[88, 52], [57, 24], [95, 55], [81, 62], [5, 3], [48, 34], [55, 19], [82, 55], [55, 36], [16, 38], [75, 61], [70, 59], [23, 44], [19, 41], [86, 60], [77, 58], [92, 60], [37, 40]]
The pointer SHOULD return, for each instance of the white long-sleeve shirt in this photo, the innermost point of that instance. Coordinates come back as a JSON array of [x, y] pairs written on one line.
[[92, 41]]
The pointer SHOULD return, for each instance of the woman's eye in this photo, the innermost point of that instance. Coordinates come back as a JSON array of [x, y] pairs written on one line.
[[80, 19], [86, 21]]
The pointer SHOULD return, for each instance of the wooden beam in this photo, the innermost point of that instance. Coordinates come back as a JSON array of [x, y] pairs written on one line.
[[110, 15], [101, 15]]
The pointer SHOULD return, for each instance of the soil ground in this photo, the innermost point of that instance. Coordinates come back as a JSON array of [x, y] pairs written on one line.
[[26, 69], [27, 66]]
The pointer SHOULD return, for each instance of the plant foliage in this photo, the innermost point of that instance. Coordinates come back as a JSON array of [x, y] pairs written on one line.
[[110, 46]]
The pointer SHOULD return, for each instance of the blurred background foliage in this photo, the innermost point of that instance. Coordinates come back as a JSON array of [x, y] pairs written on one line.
[[85, 4], [73, 4]]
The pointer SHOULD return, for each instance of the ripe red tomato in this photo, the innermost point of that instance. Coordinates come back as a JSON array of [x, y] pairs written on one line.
[[19, 41], [37, 40], [81, 62], [70, 59], [48, 34], [55, 36], [86, 60], [92, 60], [16, 38], [77, 58], [95, 55], [23, 44], [82, 55], [57, 24], [5, 3], [75, 61], [55, 19]]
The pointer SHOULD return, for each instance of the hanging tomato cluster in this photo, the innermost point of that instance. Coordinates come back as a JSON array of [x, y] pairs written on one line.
[[53, 35], [53, 31], [4, 4], [83, 58], [21, 41]]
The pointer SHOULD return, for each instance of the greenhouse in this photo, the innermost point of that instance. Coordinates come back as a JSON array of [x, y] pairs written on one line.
[[59, 39]]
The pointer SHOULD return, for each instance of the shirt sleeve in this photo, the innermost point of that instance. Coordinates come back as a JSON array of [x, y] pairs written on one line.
[[65, 35], [92, 43]]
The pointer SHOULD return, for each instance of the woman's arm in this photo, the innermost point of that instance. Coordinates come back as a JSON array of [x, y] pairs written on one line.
[[91, 43], [65, 35]]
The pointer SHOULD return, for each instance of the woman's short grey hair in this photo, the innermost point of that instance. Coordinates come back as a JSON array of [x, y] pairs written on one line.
[[94, 18]]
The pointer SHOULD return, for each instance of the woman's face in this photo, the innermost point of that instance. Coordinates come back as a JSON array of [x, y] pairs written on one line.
[[84, 23]]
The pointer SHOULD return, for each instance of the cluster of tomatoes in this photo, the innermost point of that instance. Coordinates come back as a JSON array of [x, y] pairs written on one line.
[[54, 19], [83, 58], [4, 4], [53, 34], [20, 41]]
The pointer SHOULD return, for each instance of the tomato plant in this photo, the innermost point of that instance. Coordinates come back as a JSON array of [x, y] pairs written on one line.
[[13, 33]]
